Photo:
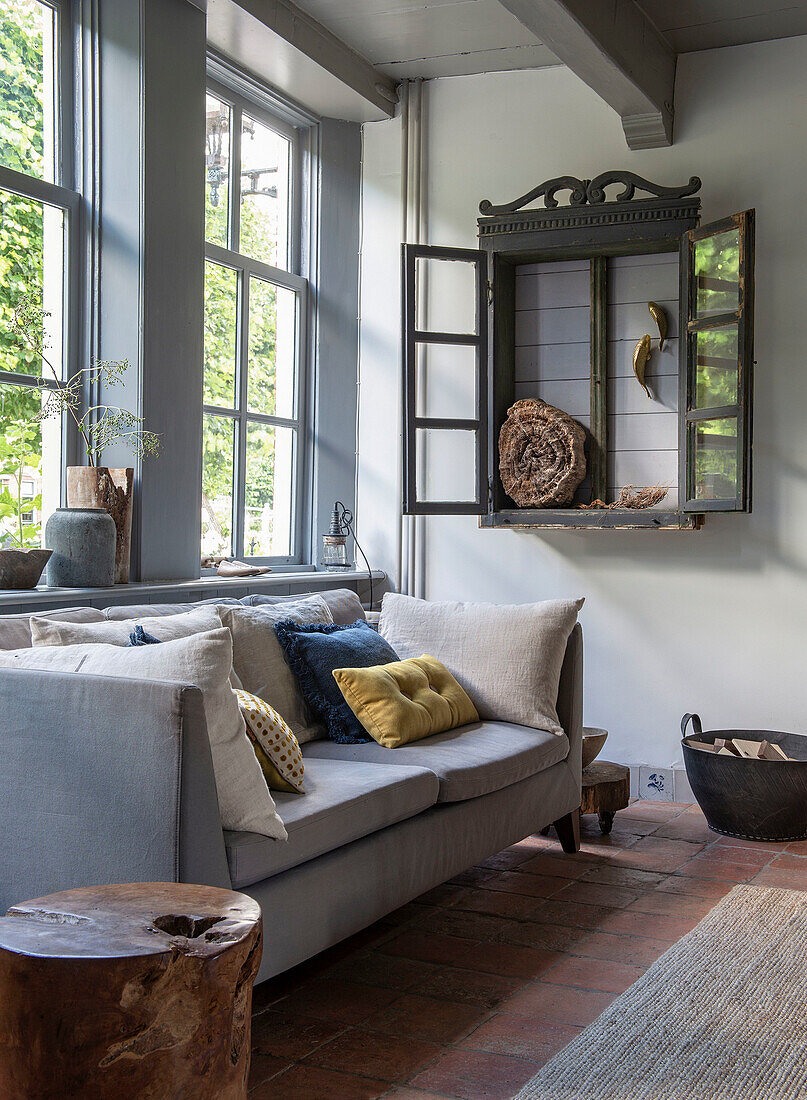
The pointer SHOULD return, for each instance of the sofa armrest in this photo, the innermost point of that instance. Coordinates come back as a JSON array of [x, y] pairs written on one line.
[[104, 780], [570, 700]]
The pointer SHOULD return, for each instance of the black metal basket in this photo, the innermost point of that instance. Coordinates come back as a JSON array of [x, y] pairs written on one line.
[[752, 799]]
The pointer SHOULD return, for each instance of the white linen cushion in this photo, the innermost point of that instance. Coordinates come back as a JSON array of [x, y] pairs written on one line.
[[165, 628], [203, 661], [15, 630], [258, 659], [507, 657]]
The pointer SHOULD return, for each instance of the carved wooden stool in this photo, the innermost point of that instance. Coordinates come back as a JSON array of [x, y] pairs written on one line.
[[606, 789], [132, 992]]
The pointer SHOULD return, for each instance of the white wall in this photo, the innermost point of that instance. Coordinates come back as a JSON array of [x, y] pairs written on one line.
[[715, 620]]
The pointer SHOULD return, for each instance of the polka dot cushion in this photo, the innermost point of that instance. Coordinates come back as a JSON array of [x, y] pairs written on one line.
[[275, 746]]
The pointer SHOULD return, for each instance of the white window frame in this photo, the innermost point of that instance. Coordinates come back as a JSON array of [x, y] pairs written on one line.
[[291, 279], [62, 195]]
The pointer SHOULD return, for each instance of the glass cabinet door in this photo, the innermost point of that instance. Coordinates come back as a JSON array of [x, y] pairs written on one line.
[[717, 265], [445, 381]]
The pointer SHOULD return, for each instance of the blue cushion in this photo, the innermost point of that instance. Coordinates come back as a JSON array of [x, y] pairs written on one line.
[[139, 637], [314, 650]]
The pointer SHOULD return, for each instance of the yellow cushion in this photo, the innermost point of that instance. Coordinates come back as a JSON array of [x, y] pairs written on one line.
[[406, 700], [275, 746]]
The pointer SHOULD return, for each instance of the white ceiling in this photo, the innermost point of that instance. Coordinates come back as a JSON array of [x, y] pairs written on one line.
[[690, 25], [428, 38], [407, 38]]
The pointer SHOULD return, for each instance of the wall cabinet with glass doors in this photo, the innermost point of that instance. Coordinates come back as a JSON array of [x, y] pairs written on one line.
[[552, 305]]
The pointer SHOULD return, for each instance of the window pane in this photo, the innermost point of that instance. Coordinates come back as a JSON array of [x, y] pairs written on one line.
[[717, 271], [717, 370], [272, 348], [445, 295], [265, 180], [269, 488], [221, 334], [218, 450], [32, 258], [218, 128], [27, 87], [715, 450], [30, 467], [446, 381], [446, 465]]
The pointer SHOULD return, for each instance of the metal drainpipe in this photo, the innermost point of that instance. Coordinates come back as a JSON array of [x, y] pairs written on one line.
[[402, 531]]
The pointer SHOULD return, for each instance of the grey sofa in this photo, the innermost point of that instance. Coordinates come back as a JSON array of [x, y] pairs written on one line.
[[110, 780]]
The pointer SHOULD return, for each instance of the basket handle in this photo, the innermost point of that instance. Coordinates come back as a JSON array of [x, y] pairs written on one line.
[[695, 719]]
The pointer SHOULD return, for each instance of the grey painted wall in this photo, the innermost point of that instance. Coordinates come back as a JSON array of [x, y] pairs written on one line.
[[713, 620], [150, 286], [336, 287]]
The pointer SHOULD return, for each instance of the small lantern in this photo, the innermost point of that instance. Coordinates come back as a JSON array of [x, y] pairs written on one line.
[[334, 544]]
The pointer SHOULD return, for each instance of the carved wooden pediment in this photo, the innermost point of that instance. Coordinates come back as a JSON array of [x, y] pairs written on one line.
[[590, 192]]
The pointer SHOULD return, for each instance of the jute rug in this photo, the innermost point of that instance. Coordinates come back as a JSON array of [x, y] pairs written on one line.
[[722, 1014]]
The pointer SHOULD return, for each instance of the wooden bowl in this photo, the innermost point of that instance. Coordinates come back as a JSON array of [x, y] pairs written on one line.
[[593, 741]]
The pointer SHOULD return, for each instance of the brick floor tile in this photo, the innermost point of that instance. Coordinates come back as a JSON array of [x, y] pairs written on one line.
[[342, 1002], [443, 895], [534, 1040], [437, 1021], [687, 827], [508, 860], [652, 925], [404, 1092], [476, 1075], [554, 867], [558, 1004], [376, 968], [304, 1082], [263, 1067], [290, 1037], [384, 1056], [474, 876], [718, 870], [426, 946], [572, 914], [508, 959], [697, 887], [596, 893], [598, 974], [673, 905], [615, 947], [499, 904], [461, 923], [546, 937], [784, 878], [627, 877], [521, 882], [472, 987]]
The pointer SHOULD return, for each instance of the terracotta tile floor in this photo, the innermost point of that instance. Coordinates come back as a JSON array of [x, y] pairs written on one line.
[[467, 991]]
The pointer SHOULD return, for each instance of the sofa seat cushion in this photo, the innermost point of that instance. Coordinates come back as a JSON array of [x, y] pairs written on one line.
[[344, 800], [469, 761]]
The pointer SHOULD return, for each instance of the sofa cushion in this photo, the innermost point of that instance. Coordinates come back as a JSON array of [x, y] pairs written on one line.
[[345, 606], [507, 657], [260, 665], [163, 628], [314, 650], [149, 610], [405, 701], [469, 761], [344, 801], [15, 630]]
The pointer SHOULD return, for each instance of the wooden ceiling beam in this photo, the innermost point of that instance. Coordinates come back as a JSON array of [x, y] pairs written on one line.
[[618, 52]]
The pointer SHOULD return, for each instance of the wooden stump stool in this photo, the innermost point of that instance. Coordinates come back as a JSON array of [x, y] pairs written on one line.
[[606, 789], [133, 992]]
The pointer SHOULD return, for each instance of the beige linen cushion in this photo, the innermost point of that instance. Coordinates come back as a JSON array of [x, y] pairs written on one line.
[[507, 657], [15, 630], [203, 661], [258, 659], [165, 628]]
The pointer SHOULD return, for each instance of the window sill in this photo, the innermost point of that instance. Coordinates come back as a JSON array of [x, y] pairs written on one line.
[[43, 598]]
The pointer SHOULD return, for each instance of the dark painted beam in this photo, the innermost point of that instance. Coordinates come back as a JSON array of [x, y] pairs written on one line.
[[617, 51]]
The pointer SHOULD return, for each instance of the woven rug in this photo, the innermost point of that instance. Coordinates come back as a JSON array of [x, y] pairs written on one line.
[[722, 1014]]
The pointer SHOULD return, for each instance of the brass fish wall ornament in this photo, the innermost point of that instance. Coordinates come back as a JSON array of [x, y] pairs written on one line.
[[641, 353], [660, 317]]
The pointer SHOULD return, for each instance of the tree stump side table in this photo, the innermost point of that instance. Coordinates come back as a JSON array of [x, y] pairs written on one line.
[[606, 789], [130, 992]]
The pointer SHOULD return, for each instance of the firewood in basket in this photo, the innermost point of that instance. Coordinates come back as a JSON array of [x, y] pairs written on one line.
[[769, 751]]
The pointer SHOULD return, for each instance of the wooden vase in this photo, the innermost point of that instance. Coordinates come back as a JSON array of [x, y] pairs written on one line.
[[110, 489]]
